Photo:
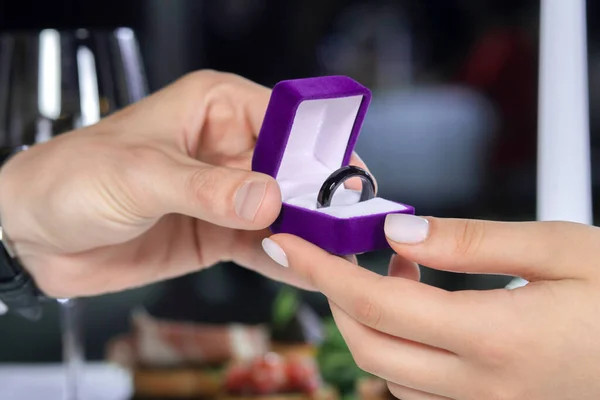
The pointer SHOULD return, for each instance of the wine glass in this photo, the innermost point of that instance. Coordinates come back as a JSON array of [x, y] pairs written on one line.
[[52, 82]]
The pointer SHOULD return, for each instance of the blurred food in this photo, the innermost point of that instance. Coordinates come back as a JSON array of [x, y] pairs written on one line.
[[161, 343], [180, 359], [178, 383], [272, 376], [280, 360]]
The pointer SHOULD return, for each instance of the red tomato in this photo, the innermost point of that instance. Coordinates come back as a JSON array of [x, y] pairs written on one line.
[[237, 378], [268, 374], [303, 375]]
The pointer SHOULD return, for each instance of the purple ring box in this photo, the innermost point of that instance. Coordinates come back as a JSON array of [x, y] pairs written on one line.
[[310, 129]]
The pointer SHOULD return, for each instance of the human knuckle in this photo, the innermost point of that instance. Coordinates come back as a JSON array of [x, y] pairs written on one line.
[[220, 92], [469, 236], [495, 352], [200, 75], [209, 79], [204, 186], [311, 276], [367, 310]]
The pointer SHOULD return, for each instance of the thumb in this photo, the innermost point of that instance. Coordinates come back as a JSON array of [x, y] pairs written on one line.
[[227, 197], [532, 250]]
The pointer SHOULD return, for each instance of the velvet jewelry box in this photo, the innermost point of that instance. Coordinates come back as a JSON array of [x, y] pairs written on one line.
[[310, 129]]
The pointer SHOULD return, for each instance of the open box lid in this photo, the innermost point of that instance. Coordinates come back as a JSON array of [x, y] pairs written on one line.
[[310, 130]]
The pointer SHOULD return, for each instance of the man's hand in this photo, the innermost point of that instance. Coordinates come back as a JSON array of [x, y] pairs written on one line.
[[158, 190]]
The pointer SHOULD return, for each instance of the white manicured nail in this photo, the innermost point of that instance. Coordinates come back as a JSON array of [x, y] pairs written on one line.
[[406, 228], [274, 251]]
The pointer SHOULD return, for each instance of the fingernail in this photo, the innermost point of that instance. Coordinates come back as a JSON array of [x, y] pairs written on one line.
[[406, 228], [248, 199], [274, 251]]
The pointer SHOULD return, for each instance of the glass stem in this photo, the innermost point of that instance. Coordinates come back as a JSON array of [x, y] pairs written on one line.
[[73, 353]]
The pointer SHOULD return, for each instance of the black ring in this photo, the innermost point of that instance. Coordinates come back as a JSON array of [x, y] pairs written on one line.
[[336, 179]]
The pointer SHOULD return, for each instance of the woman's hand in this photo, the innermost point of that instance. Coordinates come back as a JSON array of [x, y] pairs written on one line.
[[158, 190], [540, 342]]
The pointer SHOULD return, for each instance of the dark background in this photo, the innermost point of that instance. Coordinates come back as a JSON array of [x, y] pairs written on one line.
[[452, 129]]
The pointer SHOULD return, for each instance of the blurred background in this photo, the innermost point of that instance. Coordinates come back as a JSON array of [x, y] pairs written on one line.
[[451, 130]]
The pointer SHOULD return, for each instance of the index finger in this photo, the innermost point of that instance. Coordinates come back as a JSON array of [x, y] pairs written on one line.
[[183, 106], [396, 306], [251, 97], [548, 250]]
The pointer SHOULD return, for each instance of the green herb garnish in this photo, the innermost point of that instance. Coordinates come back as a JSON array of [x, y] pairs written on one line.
[[336, 362], [285, 307]]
